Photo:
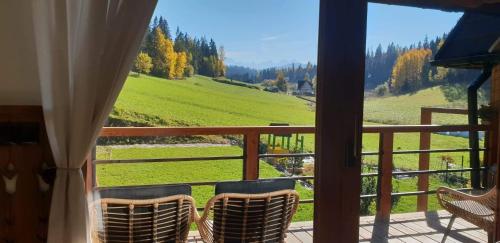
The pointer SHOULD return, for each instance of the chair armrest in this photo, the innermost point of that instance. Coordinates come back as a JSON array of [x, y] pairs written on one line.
[[446, 194]]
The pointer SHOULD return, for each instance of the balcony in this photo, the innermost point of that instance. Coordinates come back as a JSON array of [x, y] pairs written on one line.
[[408, 227], [422, 225]]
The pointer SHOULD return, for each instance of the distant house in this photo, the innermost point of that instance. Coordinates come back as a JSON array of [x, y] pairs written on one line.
[[305, 87]]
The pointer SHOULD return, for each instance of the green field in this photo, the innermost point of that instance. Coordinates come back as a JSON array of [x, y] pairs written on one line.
[[200, 101], [405, 109], [181, 172]]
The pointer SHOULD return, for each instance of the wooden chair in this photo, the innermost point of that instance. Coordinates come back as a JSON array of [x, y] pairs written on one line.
[[143, 214], [478, 210], [249, 211]]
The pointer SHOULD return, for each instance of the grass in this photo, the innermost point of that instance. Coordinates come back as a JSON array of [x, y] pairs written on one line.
[[405, 109], [181, 172], [218, 170], [200, 101]]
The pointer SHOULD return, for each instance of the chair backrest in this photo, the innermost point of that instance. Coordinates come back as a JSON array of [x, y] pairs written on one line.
[[254, 187], [143, 192], [143, 214], [251, 211]]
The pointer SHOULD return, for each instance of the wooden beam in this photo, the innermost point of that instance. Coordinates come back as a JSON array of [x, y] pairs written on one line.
[[194, 131], [423, 128], [495, 102], [339, 114], [423, 160], [458, 111], [251, 157], [384, 183], [485, 6]]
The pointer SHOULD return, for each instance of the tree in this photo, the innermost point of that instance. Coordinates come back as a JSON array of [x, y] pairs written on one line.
[[408, 72], [143, 63], [171, 59], [163, 25], [189, 71], [180, 65], [221, 67], [281, 81], [159, 53]]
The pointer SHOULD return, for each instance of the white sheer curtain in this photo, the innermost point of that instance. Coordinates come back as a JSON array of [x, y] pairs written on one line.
[[84, 49]]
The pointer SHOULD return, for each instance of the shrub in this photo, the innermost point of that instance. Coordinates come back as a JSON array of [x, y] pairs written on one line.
[[381, 90], [225, 81]]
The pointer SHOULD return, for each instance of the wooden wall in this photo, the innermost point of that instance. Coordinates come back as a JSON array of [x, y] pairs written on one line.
[[25, 175]]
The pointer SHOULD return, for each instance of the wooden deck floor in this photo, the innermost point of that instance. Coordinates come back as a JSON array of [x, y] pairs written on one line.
[[410, 227]]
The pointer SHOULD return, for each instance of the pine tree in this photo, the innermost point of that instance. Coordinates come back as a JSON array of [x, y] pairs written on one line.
[[163, 25], [213, 49]]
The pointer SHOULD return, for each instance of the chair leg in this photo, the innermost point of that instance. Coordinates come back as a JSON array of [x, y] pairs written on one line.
[[448, 229]]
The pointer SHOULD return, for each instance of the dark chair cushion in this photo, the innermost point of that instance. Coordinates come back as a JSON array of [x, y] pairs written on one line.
[[144, 192], [254, 187]]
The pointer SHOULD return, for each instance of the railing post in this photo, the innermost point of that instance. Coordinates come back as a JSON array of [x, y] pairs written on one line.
[[251, 156], [384, 180], [423, 160], [495, 103]]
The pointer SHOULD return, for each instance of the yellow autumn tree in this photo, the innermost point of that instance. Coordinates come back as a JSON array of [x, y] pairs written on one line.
[[159, 54], [180, 65], [143, 63], [407, 73], [171, 59]]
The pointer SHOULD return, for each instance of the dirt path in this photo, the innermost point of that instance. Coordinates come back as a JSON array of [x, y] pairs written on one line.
[[181, 145]]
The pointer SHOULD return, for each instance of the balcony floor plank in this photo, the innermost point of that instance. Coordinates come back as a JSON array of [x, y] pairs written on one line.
[[408, 227]]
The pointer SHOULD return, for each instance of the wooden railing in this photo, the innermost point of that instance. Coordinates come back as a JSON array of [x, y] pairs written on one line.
[[251, 155]]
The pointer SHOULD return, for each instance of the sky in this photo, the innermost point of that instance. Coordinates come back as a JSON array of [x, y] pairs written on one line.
[[266, 33]]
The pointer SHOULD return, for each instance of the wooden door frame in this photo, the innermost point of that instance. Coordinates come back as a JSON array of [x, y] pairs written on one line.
[[339, 118]]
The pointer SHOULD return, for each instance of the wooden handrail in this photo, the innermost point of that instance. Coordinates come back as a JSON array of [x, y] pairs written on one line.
[[243, 130], [251, 137], [192, 131], [457, 111], [422, 128]]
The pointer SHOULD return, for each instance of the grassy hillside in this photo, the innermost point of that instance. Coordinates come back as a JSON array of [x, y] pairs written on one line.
[[200, 101], [405, 109]]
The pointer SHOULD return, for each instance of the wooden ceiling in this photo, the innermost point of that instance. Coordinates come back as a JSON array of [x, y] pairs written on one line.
[[485, 6]]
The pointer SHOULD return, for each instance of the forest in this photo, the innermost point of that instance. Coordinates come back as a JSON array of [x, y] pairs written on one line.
[[179, 56], [401, 70], [391, 70]]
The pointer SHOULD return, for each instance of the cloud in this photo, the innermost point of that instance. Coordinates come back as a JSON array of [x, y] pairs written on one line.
[[269, 38]]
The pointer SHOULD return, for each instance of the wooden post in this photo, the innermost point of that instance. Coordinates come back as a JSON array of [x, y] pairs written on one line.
[[384, 184], [251, 155], [495, 102], [423, 160], [339, 114]]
